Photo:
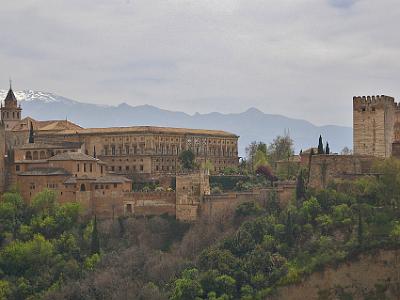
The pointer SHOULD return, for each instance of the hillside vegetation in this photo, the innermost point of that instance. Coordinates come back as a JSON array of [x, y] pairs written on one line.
[[49, 251]]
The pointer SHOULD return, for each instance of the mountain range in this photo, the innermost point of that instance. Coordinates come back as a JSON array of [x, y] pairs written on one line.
[[250, 125]]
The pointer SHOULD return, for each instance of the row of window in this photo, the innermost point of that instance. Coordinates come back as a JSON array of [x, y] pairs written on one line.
[[7, 114], [102, 186], [127, 168], [169, 139], [35, 155], [86, 167]]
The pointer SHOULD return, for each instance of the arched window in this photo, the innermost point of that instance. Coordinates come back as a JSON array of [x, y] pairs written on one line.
[[28, 155], [35, 155], [83, 187], [42, 155]]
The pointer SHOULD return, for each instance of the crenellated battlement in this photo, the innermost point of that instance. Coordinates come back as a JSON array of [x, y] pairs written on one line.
[[373, 99]]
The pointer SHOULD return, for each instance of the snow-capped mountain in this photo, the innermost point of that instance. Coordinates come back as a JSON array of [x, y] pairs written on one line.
[[250, 125], [29, 95]]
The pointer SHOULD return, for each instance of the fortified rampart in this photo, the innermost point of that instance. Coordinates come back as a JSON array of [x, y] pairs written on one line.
[[325, 168], [214, 204]]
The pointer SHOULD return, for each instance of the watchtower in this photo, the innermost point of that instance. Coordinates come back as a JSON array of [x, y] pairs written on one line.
[[373, 125]]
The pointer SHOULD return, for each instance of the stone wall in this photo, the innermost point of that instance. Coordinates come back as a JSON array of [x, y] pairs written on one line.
[[147, 204], [325, 168], [214, 204]]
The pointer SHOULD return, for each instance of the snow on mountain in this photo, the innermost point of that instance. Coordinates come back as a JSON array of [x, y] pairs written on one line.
[[29, 95]]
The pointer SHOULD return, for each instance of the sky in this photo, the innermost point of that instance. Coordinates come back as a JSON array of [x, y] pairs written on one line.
[[299, 58]]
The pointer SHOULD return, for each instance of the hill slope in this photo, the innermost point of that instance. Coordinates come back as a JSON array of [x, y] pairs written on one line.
[[249, 125]]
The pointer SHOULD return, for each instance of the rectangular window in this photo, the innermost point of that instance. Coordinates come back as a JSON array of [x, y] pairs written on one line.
[[141, 168], [84, 167], [91, 168], [77, 167], [17, 168]]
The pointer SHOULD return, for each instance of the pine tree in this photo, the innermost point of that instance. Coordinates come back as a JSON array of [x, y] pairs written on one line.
[[95, 245], [300, 189], [320, 146], [327, 150]]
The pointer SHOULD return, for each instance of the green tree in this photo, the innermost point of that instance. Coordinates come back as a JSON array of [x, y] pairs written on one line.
[[11, 213], [280, 148], [45, 202], [188, 287], [255, 151], [5, 290], [187, 160], [21, 258], [320, 146]]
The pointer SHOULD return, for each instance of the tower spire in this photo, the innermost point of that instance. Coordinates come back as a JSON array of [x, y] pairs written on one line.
[[10, 83]]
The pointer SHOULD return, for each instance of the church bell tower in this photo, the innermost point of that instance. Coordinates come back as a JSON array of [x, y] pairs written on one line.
[[10, 112]]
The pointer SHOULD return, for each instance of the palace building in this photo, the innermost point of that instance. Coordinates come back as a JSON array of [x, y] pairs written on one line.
[[72, 160]]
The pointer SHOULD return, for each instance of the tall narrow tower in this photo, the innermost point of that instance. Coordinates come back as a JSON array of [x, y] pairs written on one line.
[[11, 111], [373, 122]]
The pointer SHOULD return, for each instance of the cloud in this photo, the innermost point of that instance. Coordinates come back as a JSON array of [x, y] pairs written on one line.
[[303, 58], [342, 3]]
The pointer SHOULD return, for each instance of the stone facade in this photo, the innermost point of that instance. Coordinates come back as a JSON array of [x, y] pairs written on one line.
[[376, 126], [151, 150]]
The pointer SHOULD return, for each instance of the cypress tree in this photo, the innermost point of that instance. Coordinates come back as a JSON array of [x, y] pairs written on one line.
[[300, 189], [320, 146], [327, 150], [95, 245], [360, 229], [289, 229]]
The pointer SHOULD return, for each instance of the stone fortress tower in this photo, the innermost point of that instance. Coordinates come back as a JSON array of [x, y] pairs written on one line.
[[376, 126]]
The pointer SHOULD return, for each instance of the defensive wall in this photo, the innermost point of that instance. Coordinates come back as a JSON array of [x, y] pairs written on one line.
[[213, 204], [324, 168], [185, 204]]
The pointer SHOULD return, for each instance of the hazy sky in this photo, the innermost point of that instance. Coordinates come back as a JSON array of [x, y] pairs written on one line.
[[300, 58]]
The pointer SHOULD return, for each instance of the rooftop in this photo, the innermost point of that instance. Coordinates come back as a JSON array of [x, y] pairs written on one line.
[[148, 129], [100, 180], [72, 156], [53, 145], [45, 172], [50, 125]]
